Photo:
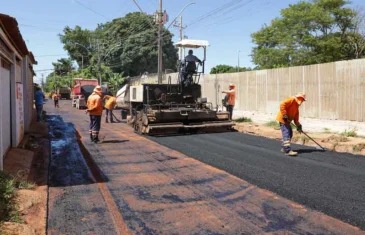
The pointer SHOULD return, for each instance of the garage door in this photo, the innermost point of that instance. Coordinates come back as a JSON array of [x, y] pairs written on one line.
[[5, 125]]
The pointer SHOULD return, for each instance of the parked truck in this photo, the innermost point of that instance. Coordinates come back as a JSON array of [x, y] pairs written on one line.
[[64, 93], [81, 90]]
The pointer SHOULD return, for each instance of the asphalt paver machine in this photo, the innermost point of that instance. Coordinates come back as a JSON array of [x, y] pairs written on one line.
[[161, 109]]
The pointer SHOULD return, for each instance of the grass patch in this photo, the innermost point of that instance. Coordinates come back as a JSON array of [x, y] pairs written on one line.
[[275, 124], [272, 124], [25, 185], [349, 133], [358, 147], [326, 130], [8, 211], [243, 119]]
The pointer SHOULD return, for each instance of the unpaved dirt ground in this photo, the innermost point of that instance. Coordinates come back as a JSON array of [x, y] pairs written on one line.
[[31, 203], [331, 141]]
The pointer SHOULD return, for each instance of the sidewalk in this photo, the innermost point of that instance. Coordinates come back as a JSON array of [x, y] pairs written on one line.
[[309, 124]]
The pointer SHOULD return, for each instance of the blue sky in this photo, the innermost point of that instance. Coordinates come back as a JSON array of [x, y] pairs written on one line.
[[228, 31]]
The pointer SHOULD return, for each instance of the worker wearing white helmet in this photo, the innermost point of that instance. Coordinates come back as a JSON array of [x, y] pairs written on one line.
[[95, 110], [231, 99], [289, 111]]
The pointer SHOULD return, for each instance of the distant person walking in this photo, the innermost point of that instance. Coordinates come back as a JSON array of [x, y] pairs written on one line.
[[39, 99], [231, 99], [95, 110], [109, 106], [55, 98], [289, 111]]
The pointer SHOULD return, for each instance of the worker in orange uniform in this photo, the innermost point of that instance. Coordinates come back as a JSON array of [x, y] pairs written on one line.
[[109, 106], [289, 111], [95, 110], [55, 98], [231, 99]]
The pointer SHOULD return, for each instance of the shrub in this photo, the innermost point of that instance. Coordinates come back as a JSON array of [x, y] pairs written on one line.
[[7, 192], [349, 133], [243, 119]]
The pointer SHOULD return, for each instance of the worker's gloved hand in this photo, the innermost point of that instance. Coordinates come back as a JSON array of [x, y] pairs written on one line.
[[299, 129], [285, 118]]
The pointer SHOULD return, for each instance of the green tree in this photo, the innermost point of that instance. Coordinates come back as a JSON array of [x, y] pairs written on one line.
[[127, 44], [63, 66], [78, 43], [115, 81], [222, 68], [306, 33]]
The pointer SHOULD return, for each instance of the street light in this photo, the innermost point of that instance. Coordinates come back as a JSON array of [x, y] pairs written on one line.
[[192, 3]]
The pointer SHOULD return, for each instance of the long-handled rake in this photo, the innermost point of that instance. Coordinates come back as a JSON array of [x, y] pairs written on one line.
[[319, 146]]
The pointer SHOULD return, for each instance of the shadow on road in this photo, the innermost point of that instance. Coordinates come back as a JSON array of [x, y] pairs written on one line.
[[113, 141], [308, 150]]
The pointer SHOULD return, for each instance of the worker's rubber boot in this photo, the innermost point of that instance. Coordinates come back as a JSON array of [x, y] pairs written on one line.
[[106, 120], [291, 153], [96, 139]]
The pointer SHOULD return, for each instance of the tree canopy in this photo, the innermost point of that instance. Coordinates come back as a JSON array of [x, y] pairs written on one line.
[[127, 44], [313, 32], [222, 68]]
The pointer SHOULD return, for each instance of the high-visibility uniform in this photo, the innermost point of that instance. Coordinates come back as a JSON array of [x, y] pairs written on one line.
[[110, 102], [289, 107], [95, 104], [55, 99], [231, 97], [231, 100], [95, 108], [109, 106]]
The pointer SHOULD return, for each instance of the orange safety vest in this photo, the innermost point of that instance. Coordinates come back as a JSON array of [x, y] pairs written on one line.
[[231, 97], [95, 104], [110, 102], [289, 107]]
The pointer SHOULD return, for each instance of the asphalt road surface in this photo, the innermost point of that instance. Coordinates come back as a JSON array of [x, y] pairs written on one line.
[[332, 183]]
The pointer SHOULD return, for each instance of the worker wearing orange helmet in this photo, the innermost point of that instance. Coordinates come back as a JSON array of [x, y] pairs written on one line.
[[95, 110], [231, 99], [289, 111]]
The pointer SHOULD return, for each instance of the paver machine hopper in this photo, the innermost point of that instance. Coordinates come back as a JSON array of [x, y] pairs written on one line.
[[161, 109]]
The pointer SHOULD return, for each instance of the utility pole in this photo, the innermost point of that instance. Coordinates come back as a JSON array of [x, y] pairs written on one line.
[[181, 28], [42, 82], [160, 22]]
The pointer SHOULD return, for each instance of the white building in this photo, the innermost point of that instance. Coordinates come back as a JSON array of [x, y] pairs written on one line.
[[16, 86]]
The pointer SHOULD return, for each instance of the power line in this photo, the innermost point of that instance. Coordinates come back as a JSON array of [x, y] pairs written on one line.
[[215, 11], [50, 55], [90, 9], [224, 20], [33, 26]]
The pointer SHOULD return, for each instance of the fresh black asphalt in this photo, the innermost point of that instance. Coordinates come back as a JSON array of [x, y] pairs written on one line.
[[333, 183]]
